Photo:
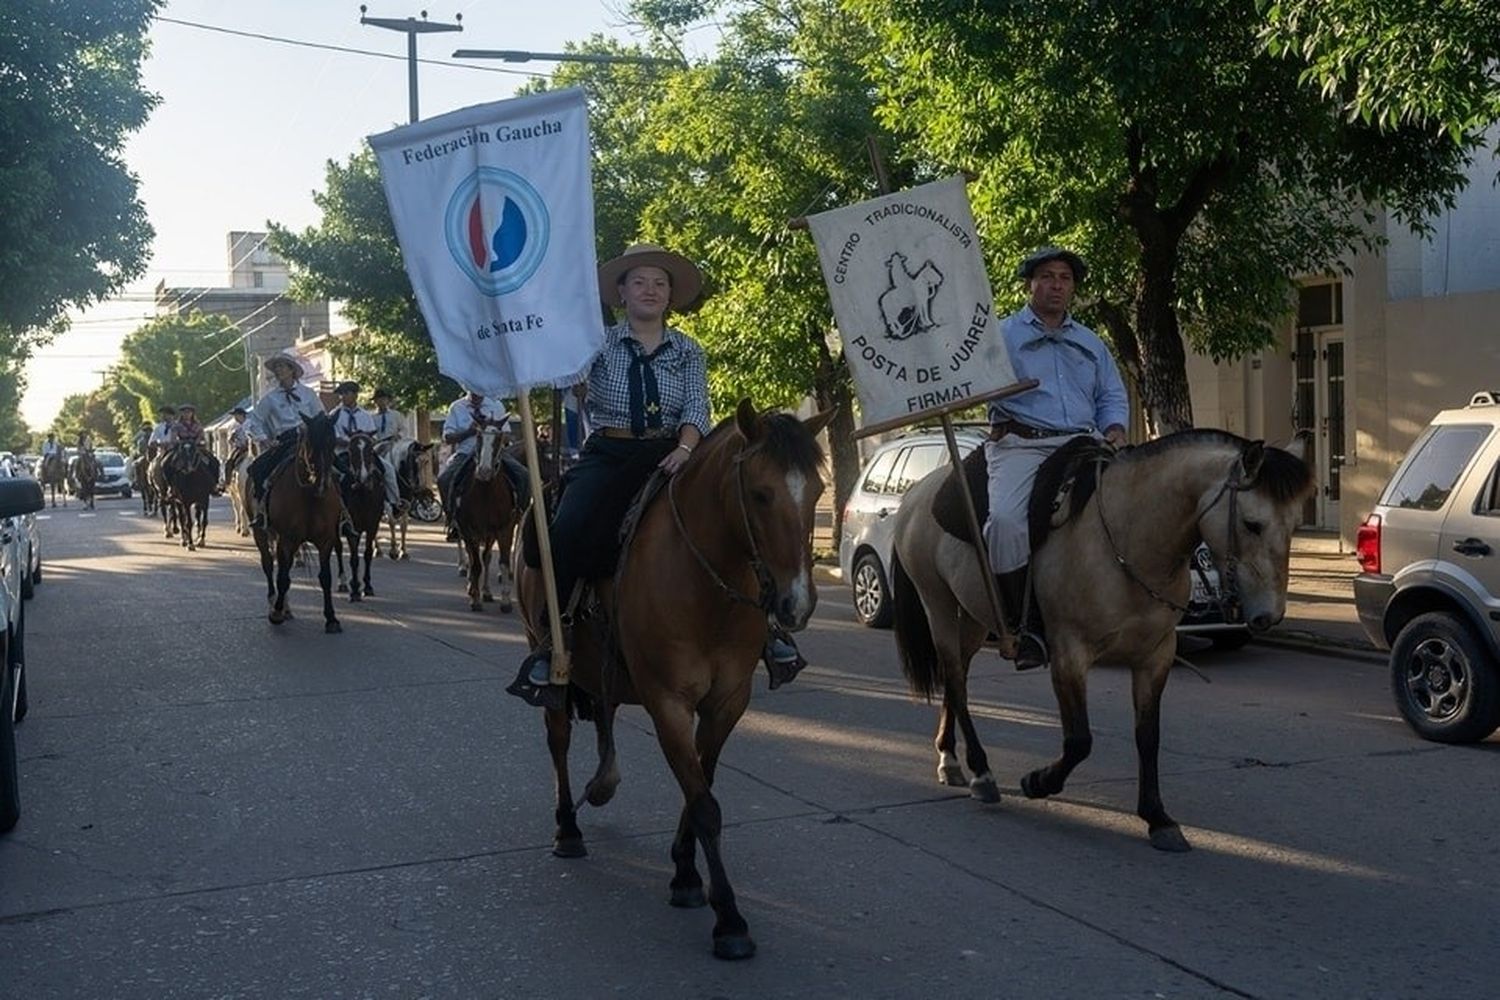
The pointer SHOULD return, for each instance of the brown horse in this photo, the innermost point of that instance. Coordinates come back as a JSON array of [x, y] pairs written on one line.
[[364, 499], [54, 476], [302, 506], [725, 544], [190, 480], [1112, 580], [486, 518], [85, 476]]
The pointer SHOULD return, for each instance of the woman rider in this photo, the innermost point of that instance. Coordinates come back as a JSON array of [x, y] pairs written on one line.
[[647, 401]]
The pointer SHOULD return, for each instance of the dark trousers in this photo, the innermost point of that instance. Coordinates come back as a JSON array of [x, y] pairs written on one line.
[[454, 480], [269, 458], [597, 492]]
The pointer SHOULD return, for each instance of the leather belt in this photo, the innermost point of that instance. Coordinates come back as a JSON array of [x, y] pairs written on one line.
[[651, 433], [1004, 427]]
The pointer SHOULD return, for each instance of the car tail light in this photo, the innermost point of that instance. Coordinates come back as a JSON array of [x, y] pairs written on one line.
[[1367, 544]]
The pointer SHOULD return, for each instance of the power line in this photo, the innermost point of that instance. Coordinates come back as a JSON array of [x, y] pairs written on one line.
[[342, 48]]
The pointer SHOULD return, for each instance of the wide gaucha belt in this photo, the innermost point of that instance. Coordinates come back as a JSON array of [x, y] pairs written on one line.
[[650, 433], [1005, 427]]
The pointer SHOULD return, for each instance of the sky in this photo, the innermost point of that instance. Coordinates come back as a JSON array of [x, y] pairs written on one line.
[[246, 125]]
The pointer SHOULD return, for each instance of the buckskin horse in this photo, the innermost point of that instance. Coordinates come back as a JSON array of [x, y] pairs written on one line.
[[364, 499], [54, 475], [190, 481], [486, 518], [724, 544], [302, 506], [1110, 568]]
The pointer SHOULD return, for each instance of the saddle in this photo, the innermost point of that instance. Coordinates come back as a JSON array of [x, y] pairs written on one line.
[[1064, 483]]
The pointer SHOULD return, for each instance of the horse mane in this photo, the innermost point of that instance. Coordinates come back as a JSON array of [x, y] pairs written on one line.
[[1282, 476], [785, 442]]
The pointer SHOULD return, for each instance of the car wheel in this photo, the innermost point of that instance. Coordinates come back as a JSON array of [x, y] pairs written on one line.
[[872, 595], [1445, 681], [10, 796], [36, 574], [1230, 640]]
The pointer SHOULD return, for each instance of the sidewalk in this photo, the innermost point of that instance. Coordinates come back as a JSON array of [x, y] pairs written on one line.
[[1320, 599]]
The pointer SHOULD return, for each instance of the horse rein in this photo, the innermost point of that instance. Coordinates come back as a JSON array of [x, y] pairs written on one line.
[[762, 573], [1228, 591]]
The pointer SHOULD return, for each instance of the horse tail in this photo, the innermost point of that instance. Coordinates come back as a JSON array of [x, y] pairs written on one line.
[[914, 643]]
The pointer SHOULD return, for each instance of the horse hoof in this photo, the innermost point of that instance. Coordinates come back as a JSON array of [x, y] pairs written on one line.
[[569, 847], [952, 774], [505, 607], [733, 947], [332, 626], [277, 617], [476, 606], [1170, 839], [343, 588], [394, 557], [489, 598], [354, 598], [688, 897], [598, 793], [984, 789], [368, 592], [1031, 786], [405, 555]]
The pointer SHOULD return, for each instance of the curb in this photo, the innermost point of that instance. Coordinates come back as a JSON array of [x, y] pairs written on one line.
[[1316, 645]]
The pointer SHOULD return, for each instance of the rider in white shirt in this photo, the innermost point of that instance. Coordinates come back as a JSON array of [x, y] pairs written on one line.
[[349, 419], [164, 434], [389, 424], [51, 446], [467, 416], [239, 444], [275, 421]]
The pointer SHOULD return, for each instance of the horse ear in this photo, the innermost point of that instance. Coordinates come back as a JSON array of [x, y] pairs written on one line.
[[747, 420], [818, 421], [1250, 460], [1300, 446]]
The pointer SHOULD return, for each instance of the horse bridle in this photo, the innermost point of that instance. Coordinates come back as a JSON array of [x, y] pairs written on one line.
[[767, 600], [1229, 581]]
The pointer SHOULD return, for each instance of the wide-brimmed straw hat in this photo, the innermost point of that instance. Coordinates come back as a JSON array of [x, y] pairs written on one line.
[[285, 358], [687, 280]]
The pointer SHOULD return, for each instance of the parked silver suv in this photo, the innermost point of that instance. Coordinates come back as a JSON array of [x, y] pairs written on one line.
[[1429, 589]]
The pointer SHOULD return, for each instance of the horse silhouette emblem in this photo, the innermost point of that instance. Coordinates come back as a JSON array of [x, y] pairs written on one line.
[[906, 305]]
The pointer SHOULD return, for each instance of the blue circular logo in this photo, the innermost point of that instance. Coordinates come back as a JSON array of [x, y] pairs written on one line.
[[497, 228]]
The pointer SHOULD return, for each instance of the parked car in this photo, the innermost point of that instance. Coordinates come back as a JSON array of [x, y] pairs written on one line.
[[895, 467], [1429, 586], [19, 498], [114, 475]]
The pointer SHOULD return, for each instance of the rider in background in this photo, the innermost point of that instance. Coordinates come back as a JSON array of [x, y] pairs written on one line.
[[389, 424], [141, 439], [51, 446], [467, 416], [239, 446], [1079, 392], [162, 436], [275, 421], [189, 430], [349, 419]]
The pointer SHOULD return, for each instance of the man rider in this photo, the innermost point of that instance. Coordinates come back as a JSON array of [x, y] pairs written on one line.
[[389, 424], [467, 416], [161, 436], [275, 420], [349, 419], [239, 445], [1079, 392], [140, 440]]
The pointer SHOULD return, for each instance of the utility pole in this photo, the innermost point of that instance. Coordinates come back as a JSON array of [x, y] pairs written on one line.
[[412, 28]]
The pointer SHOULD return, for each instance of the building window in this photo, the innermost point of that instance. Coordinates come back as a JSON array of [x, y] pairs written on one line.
[[258, 278], [1321, 305]]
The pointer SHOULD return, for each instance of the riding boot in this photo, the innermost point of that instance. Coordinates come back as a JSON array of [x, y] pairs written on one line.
[[533, 683], [1025, 617], [782, 657]]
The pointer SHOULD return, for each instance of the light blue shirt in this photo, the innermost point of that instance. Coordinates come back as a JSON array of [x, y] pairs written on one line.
[[1079, 386]]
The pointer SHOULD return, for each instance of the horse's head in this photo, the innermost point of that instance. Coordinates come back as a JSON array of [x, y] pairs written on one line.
[[1248, 523], [185, 455], [315, 451], [778, 478], [363, 461], [487, 456]]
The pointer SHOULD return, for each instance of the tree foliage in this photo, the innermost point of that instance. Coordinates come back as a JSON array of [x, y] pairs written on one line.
[[72, 230], [171, 360], [352, 254], [15, 436], [88, 411], [1429, 65], [1194, 169]]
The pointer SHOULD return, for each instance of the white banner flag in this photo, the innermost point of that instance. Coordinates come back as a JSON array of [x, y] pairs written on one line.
[[912, 301], [494, 211]]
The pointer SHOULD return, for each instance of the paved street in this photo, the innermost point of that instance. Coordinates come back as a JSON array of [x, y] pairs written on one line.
[[213, 807]]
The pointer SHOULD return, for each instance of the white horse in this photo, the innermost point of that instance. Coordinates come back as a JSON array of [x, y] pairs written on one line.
[[1111, 579], [416, 479]]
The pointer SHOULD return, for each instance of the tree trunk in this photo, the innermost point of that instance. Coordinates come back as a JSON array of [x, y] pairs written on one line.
[[1164, 387], [833, 386]]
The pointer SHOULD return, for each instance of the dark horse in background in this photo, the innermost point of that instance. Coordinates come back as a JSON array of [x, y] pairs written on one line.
[[364, 499], [486, 519], [140, 478], [54, 476], [1110, 568], [156, 475], [85, 477], [302, 505], [726, 543], [190, 480]]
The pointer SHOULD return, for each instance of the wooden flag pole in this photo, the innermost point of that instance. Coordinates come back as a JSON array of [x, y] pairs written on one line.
[[561, 667]]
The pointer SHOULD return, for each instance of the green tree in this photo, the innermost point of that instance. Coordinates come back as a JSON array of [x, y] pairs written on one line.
[[15, 436], [1429, 65], [72, 230], [87, 411], [180, 359], [352, 254], [1194, 169]]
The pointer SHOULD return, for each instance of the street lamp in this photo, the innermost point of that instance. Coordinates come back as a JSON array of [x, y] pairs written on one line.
[[412, 28]]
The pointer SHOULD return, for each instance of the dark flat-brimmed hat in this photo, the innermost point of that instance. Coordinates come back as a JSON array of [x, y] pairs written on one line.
[[282, 357], [346, 386], [382, 392], [186, 406], [238, 409], [687, 280], [164, 408], [1075, 263]]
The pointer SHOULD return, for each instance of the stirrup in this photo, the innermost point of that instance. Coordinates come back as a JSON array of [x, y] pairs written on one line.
[[533, 683], [784, 661], [1031, 651]]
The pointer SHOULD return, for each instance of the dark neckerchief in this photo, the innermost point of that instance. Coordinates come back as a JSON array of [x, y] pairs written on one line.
[[645, 393]]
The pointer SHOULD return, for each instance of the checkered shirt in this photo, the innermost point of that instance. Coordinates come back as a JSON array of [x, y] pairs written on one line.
[[681, 377]]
